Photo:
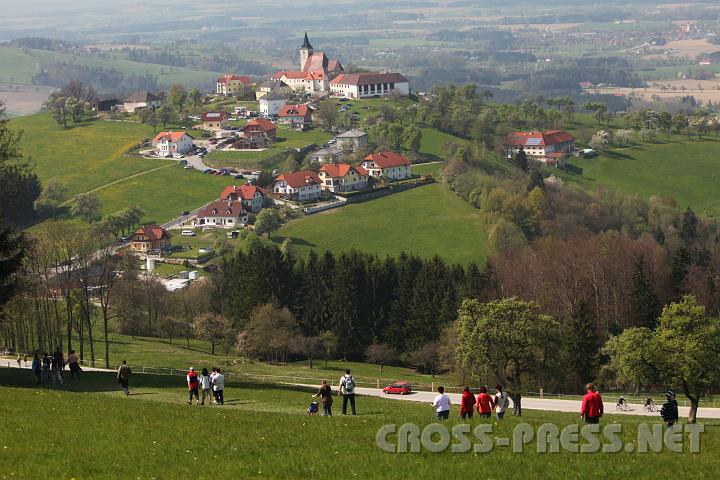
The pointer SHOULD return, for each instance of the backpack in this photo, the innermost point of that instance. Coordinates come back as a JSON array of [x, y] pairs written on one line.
[[349, 385]]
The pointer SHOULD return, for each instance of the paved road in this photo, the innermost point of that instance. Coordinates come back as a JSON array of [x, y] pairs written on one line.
[[532, 403]]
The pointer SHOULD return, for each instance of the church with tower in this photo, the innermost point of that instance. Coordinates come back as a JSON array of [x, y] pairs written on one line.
[[315, 73]]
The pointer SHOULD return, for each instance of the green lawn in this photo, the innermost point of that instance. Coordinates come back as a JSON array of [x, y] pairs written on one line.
[[689, 171], [427, 221], [262, 432], [84, 156]]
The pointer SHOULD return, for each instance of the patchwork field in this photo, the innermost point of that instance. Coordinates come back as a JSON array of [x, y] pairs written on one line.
[[703, 90], [262, 432]]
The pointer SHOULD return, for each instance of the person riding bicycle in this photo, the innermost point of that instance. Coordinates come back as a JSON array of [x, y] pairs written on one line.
[[621, 401], [649, 403]]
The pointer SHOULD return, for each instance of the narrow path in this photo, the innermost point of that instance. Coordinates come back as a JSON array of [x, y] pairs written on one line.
[[119, 180]]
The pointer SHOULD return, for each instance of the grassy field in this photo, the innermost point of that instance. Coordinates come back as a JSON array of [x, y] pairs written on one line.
[[689, 171], [90, 156], [426, 221], [286, 138], [262, 432]]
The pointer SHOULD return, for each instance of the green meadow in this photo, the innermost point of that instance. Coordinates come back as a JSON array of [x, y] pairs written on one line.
[[88, 428]]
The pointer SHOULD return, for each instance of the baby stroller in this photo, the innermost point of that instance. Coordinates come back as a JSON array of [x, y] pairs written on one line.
[[313, 409]]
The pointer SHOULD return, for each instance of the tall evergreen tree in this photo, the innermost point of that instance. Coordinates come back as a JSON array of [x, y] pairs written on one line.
[[521, 160], [581, 345], [645, 307], [688, 230]]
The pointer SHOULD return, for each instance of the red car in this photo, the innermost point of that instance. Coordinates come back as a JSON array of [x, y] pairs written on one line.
[[403, 388]]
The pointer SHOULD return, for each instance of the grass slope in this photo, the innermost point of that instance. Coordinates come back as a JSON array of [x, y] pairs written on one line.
[[689, 171], [262, 432], [426, 221]]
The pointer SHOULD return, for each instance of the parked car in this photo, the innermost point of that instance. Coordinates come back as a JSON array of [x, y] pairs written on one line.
[[188, 233], [153, 251], [188, 167], [178, 155], [402, 388], [182, 162], [238, 177], [184, 212]]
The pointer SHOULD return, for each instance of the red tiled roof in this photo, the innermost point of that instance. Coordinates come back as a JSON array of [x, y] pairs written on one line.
[[152, 232], [262, 123], [388, 159], [299, 179], [291, 74], [171, 137], [316, 61], [214, 116], [341, 169], [246, 192], [335, 65], [222, 208], [315, 75], [228, 77], [367, 78], [551, 137], [294, 111]]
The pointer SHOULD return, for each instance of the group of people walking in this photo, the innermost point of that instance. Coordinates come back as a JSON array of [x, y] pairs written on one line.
[[212, 386], [483, 404], [48, 368], [325, 394]]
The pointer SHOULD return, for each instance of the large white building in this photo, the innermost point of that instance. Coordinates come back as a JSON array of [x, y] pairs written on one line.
[[316, 71], [369, 84], [300, 186], [169, 143], [390, 165], [271, 103]]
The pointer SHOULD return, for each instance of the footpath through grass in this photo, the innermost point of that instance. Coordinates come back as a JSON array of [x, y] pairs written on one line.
[[88, 429]]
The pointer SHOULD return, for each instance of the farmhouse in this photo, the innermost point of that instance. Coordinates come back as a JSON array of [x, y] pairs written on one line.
[[251, 196], [295, 115], [342, 177], [149, 237], [104, 103], [300, 186], [352, 140], [140, 99], [388, 164], [221, 214], [550, 147], [369, 84], [233, 85], [214, 120], [271, 103], [327, 155], [259, 127], [168, 144]]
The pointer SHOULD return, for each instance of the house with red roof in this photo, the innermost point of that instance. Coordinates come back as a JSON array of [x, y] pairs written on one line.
[[252, 197], [390, 165], [295, 115], [260, 127], [233, 85], [300, 186], [214, 120], [342, 177], [369, 84], [221, 214], [551, 147], [149, 237], [171, 143]]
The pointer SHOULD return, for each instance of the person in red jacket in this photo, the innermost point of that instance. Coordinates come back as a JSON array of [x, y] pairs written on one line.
[[485, 403], [592, 405], [467, 403], [193, 382]]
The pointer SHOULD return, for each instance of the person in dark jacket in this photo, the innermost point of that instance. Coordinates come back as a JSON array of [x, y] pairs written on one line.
[[467, 403], [669, 410], [325, 394]]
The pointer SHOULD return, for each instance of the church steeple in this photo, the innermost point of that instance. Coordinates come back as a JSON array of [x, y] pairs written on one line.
[[306, 43]]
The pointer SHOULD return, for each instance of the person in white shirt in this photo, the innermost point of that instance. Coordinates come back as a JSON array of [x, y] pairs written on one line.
[[218, 383], [441, 404], [206, 387], [502, 401]]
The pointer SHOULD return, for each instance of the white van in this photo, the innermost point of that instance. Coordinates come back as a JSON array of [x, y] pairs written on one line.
[[188, 233]]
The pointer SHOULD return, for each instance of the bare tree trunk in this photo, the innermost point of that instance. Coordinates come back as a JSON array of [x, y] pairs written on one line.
[[517, 403]]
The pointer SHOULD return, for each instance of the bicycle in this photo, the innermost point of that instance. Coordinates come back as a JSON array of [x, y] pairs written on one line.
[[651, 408], [622, 407]]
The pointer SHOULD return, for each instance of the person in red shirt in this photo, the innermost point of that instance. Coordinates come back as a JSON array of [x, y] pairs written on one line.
[[592, 405], [467, 403], [193, 382], [485, 403]]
